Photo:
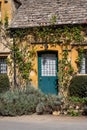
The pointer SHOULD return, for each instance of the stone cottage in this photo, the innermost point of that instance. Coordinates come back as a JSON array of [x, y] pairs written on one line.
[[68, 18]]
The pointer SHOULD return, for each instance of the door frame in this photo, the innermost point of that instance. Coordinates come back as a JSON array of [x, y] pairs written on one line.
[[46, 52]]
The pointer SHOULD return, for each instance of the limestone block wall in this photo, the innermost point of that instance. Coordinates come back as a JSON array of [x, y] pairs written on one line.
[[6, 9]]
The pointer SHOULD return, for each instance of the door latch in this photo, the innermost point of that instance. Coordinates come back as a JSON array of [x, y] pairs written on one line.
[[40, 78]]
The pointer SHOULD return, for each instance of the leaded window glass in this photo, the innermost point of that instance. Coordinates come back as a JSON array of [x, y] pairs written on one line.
[[3, 65], [83, 69], [48, 65]]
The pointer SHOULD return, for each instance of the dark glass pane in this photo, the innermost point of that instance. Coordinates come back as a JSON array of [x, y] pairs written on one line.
[[3, 65]]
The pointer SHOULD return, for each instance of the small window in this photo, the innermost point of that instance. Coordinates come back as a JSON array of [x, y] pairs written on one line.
[[3, 65], [83, 69], [6, 1]]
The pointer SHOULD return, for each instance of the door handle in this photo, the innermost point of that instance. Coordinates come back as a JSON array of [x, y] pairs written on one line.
[[40, 78]]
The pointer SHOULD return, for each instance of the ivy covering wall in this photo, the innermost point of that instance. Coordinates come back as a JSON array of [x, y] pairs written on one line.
[[53, 35], [23, 52]]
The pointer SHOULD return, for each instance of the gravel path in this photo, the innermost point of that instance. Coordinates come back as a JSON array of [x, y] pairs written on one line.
[[43, 122], [35, 117]]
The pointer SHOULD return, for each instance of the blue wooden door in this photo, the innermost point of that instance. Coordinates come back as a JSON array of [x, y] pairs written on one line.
[[47, 72]]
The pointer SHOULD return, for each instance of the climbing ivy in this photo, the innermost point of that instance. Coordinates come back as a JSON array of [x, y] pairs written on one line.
[[65, 73], [57, 35], [24, 58], [53, 35], [6, 21], [24, 54]]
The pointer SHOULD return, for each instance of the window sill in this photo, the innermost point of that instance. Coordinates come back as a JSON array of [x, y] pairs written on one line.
[[81, 74]]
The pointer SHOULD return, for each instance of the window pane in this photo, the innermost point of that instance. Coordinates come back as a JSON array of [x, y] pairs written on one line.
[[83, 66], [83, 69], [3, 65], [48, 65]]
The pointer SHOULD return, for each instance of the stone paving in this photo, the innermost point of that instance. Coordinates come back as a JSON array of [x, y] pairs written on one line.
[[43, 122], [35, 117]]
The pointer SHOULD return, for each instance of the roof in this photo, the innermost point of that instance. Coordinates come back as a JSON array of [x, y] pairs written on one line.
[[33, 13]]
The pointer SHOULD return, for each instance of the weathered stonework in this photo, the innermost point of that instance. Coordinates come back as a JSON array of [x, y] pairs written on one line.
[[33, 13]]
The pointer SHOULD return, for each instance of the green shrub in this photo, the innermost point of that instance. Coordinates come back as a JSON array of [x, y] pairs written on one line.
[[73, 112], [4, 83], [85, 110], [78, 100], [27, 101], [78, 86], [77, 106]]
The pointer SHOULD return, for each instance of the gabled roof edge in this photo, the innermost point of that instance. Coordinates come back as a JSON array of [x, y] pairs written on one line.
[[18, 1]]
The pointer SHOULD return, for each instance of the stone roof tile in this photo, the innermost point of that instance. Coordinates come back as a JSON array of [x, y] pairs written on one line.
[[36, 12]]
